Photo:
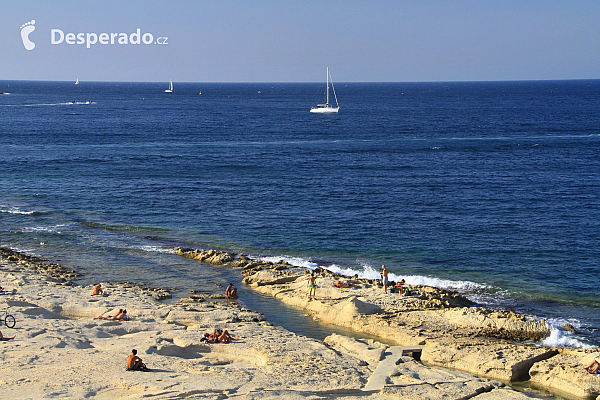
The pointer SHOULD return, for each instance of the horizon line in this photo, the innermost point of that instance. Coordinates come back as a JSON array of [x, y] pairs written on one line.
[[307, 82]]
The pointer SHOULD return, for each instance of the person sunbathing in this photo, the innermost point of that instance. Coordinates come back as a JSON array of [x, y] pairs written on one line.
[[593, 368], [134, 363], [122, 316], [342, 284], [114, 317], [4, 338], [218, 336]]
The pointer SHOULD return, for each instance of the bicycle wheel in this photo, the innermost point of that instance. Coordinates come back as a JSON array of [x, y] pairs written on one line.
[[10, 321]]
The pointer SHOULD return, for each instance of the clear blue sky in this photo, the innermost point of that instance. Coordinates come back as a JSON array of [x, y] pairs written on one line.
[[285, 41]]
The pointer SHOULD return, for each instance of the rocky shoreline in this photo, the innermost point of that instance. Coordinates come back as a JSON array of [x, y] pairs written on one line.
[[61, 350], [451, 331]]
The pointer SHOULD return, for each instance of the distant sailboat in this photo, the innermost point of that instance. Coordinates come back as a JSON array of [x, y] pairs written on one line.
[[327, 108], [77, 81], [170, 89]]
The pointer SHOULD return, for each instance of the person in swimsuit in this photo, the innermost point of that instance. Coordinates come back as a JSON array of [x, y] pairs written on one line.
[[400, 287], [134, 363], [218, 336], [97, 290], [384, 278], [312, 287], [116, 316], [231, 292], [342, 284], [593, 368], [122, 317]]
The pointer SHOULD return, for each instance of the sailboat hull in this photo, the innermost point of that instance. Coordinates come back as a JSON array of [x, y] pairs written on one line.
[[324, 110]]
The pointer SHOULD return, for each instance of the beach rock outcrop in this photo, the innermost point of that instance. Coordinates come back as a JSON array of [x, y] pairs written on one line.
[[453, 332], [214, 257], [482, 322], [56, 273]]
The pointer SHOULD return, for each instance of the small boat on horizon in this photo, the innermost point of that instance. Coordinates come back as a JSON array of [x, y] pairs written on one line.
[[327, 108], [170, 89], [77, 81]]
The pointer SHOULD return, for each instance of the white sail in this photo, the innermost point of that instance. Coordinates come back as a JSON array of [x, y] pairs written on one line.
[[77, 81], [170, 89], [327, 108]]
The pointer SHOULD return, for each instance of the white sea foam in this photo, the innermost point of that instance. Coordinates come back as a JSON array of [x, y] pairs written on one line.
[[295, 261], [155, 249], [70, 103], [561, 338], [14, 210], [368, 272], [49, 229]]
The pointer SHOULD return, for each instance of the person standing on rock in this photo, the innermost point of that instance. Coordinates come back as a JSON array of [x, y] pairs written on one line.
[[384, 278], [312, 286]]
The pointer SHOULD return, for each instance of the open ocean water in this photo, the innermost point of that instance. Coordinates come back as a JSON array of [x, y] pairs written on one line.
[[491, 188]]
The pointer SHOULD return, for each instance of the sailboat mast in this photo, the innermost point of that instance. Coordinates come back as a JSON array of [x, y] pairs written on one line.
[[327, 80]]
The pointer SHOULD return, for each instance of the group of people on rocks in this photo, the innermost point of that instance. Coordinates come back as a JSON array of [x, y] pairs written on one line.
[[398, 286], [134, 362]]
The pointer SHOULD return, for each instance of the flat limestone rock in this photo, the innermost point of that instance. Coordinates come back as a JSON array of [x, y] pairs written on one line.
[[440, 391], [504, 361], [565, 373], [366, 350]]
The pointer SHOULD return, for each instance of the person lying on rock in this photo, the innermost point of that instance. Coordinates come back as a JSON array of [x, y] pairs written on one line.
[[97, 290], [3, 338], [342, 284], [134, 363], [231, 292], [593, 368], [117, 314], [218, 336], [120, 315]]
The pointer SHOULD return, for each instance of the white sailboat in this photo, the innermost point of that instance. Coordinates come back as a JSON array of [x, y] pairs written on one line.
[[170, 89], [77, 81], [327, 108]]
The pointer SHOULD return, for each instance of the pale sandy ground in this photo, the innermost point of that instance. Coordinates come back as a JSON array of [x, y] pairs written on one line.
[[60, 351]]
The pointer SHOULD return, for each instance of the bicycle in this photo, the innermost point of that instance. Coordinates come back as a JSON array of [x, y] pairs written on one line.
[[8, 319]]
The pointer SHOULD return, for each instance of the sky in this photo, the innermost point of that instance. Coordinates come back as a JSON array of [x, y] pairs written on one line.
[[293, 41]]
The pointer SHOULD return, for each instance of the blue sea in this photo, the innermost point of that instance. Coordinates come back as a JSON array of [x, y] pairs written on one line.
[[489, 188]]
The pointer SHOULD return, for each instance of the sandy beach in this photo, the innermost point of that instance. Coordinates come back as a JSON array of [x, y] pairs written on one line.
[[445, 347]]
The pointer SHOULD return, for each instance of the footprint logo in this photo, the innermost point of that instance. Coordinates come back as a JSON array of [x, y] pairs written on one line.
[[26, 29]]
